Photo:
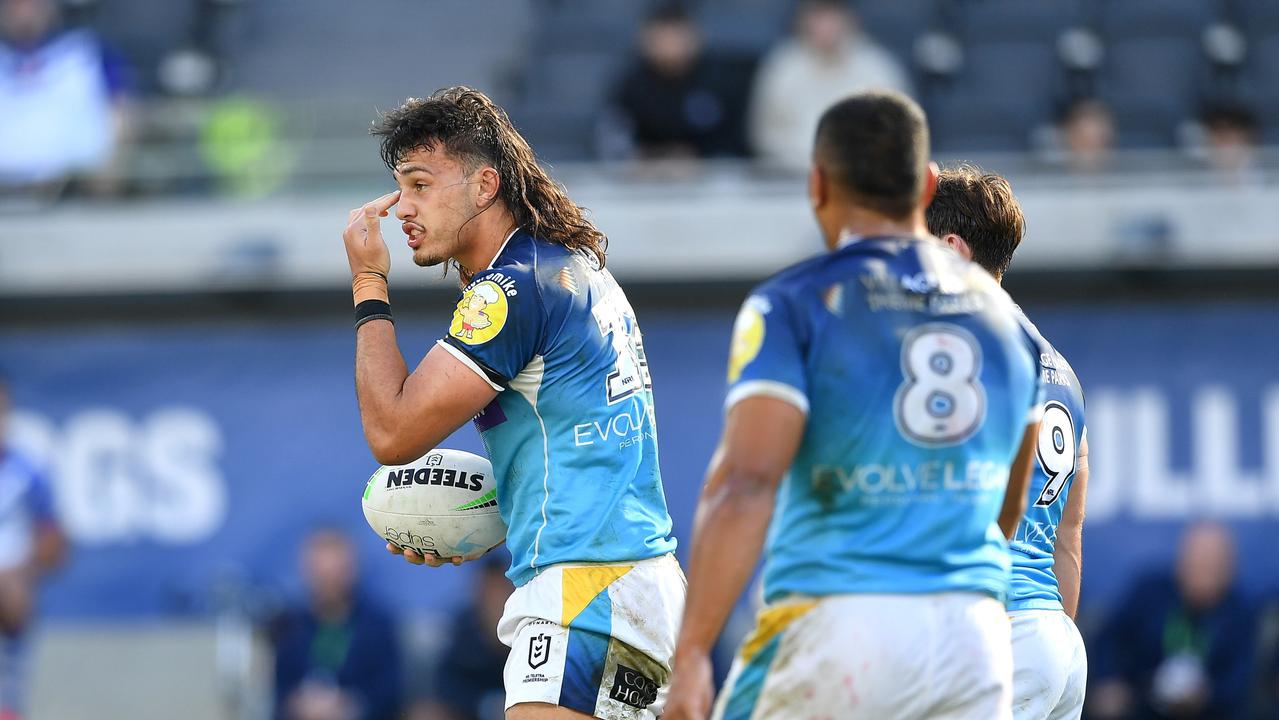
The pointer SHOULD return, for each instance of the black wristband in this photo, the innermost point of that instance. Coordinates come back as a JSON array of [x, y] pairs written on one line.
[[372, 310]]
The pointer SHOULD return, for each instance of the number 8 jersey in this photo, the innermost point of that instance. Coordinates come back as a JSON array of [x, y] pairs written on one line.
[[571, 435], [1061, 436], [918, 380]]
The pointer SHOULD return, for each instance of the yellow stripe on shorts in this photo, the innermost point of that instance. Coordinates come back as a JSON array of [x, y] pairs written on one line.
[[771, 621], [581, 585]]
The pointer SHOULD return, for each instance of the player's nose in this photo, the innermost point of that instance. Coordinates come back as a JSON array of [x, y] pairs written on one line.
[[405, 211]]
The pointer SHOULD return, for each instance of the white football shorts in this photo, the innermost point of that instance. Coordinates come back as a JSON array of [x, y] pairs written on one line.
[[1050, 666], [597, 638], [945, 656]]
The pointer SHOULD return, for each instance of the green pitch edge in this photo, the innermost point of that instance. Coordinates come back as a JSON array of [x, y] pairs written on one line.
[[487, 498]]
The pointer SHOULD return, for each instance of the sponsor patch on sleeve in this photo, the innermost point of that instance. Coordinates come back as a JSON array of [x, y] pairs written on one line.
[[748, 336], [480, 314]]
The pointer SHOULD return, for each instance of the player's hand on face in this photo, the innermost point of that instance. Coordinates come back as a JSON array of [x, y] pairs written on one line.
[[365, 249], [416, 558], [692, 688]]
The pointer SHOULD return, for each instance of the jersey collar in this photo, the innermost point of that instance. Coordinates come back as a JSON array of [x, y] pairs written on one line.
[[502, 249], [846, 238]]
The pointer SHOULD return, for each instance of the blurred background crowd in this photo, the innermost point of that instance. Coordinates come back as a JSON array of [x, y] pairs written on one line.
[[229, 95], [174, 331]]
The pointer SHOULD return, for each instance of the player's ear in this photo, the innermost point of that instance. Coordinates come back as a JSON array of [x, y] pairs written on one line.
[[818, 187], [930, 185], [487, 186], [958, 244]]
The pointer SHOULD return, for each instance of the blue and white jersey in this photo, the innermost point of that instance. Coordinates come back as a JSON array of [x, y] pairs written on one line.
[[918, 380], [1061, 437], [572, 434], [26, 503]]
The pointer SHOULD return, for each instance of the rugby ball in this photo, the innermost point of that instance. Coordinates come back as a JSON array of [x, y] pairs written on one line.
[[444, 504]]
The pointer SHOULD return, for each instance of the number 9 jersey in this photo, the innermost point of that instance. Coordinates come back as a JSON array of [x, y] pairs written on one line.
[[1061, 436], [918, 379], [571, 435]]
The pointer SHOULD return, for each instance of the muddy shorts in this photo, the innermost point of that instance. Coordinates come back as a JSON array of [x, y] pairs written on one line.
[[596, 638]]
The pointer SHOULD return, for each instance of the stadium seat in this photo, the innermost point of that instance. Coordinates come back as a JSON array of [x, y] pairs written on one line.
[[145, 31], [897, 24], [563, 93], [744, 26], [1017, 20], [1262, 84], [1148, 123], [557, 135], [1257, 16], [1023, 79], [1155, 18], [1263, 63], [574, 79], [586, 26], [960, 124], [1150, 105]]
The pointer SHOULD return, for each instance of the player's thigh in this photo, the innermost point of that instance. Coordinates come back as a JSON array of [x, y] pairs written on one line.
[[1039, 675], [973, 674], [1050, 666], [542, 711], [580, 670], [1071, 704], [865, 656]]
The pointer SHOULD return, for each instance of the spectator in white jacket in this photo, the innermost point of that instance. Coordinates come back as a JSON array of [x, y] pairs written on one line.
[[827, 59]]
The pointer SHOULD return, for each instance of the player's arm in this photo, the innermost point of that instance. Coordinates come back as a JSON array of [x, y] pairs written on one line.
[[1019, 482], [50, 548], [49, 542], [761, 436], [1068, 556], [763, 428], [405, 415]]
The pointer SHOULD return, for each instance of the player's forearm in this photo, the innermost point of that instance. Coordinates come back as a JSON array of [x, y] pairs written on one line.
[[50, 548], [732, 523], [1018, 482], [380, 373], [1068, 555], [1068, 567]]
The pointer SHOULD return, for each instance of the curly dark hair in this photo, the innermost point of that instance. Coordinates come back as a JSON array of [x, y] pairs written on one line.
[[980, 207], [471, 127]]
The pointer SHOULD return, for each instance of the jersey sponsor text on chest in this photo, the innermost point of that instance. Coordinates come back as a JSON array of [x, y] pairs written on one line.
[[921, 478], [625, 427]]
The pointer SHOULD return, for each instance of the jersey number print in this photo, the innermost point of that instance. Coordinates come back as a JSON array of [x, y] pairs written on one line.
[[1056, 450], [941, 400]]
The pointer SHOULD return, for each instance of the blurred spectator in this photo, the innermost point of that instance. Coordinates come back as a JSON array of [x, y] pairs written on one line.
[[676, 101], [468, 677], [63, 98], [1231, 143], [241, 143], [31, 544], [338, 657], [828, 59], [1180, 644], [1087, 135]]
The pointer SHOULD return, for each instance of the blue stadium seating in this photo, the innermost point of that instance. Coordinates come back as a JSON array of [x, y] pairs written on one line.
[[961, 123], [897, 24], [1263, 62], [1005, 91], [1018, 20], [744, 26], [1155, 18], [593, 25], [145, 31], [1257, 16], [1172, 69]]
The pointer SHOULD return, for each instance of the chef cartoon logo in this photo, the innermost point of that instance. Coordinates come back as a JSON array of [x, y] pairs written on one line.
[[480, 314]]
